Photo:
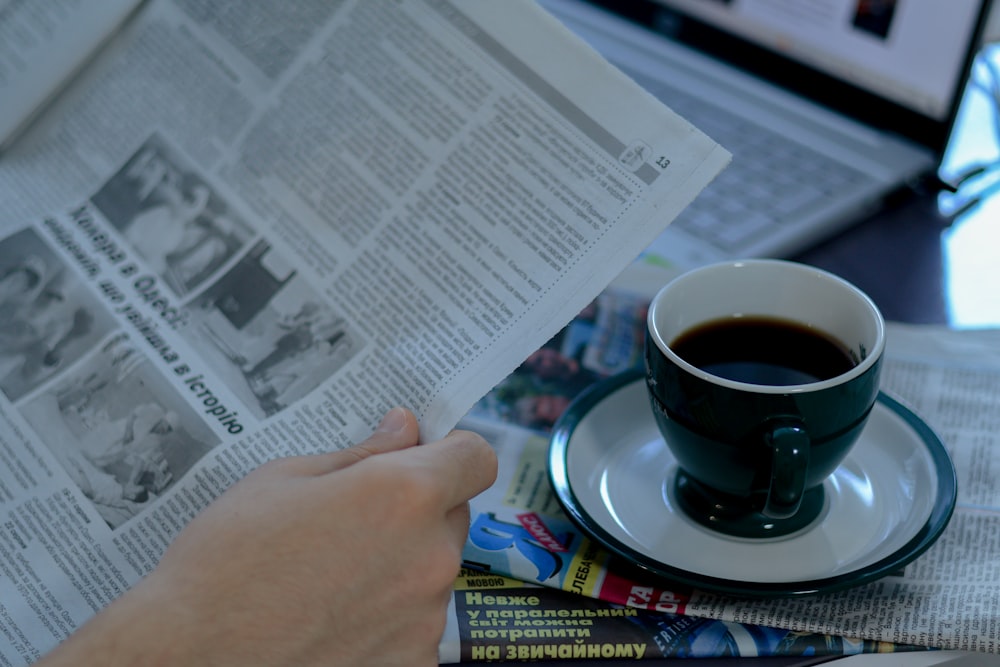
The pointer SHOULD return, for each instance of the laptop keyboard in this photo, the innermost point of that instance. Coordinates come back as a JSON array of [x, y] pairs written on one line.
[[768, 185]]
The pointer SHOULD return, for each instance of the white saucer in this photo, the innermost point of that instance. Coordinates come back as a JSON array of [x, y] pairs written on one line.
[[885, 505]]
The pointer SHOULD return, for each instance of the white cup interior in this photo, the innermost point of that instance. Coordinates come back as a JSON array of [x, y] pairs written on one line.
[[769, 288]]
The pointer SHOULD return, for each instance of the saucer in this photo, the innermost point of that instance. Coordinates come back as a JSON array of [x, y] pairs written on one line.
[[885, 504]]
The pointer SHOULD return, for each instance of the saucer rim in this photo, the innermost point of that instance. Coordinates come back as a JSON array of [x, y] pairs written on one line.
[[942, 509]]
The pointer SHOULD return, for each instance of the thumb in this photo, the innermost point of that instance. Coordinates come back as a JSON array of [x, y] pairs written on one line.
[[397, 430]]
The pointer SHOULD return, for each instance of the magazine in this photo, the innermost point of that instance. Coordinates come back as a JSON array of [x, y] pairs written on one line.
[[498, 619]]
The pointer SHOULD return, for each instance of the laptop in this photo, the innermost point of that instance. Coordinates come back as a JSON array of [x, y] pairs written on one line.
[[830, 108]]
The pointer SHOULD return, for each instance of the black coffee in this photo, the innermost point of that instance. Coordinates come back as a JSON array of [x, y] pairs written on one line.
[[762, 350]]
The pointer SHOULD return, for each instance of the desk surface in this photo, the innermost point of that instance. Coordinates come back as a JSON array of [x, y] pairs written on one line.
[[920, 265]]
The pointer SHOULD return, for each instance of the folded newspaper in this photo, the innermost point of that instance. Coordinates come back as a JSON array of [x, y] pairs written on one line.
[[246, 230]]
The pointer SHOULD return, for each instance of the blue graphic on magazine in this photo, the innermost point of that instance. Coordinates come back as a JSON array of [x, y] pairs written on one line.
[[532, 549]]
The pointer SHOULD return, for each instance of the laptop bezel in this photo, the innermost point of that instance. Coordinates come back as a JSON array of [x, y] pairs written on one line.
[[855, 102]]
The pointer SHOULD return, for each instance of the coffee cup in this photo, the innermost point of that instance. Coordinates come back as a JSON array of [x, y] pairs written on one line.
[[761, 375]]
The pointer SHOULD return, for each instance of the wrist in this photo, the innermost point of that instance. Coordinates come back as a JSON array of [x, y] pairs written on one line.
[[140, 628]]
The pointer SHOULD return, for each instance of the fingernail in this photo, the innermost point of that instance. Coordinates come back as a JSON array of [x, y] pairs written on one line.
[[393, 421]]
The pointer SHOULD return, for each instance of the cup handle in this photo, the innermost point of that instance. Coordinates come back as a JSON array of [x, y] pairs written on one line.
[[789, 445]]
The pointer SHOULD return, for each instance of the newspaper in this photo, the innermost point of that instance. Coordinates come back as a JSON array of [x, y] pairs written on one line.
[[247, 230], [945, 599]]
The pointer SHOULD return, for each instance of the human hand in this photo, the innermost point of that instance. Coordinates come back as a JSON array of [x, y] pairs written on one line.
[[345, 558]]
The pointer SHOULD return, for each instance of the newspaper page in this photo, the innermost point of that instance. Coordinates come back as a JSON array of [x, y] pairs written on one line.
[[41, 45], [246, 231], [345, 128], [946, 598]]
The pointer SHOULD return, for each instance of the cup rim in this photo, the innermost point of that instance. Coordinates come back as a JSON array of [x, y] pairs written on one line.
[[870, 359]]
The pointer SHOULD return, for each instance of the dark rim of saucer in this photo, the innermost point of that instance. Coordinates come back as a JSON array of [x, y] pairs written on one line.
[[944, 505]]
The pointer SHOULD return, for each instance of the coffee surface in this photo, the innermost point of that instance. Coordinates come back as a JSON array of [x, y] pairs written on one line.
[[763, 350]]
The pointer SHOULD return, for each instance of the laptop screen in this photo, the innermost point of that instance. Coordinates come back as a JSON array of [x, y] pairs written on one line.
[[899, 64], [910, 52]]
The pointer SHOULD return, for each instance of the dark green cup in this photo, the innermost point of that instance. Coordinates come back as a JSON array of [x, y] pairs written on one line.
[[761, 375]]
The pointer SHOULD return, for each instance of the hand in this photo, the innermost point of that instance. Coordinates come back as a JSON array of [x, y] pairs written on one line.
[[345, 558]]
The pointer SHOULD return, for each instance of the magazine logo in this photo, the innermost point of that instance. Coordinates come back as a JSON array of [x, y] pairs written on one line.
[[534, 525], [489, 533]]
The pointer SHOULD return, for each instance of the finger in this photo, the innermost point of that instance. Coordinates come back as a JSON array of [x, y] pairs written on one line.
[[457, 520], [463, 460], [397, 430]]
